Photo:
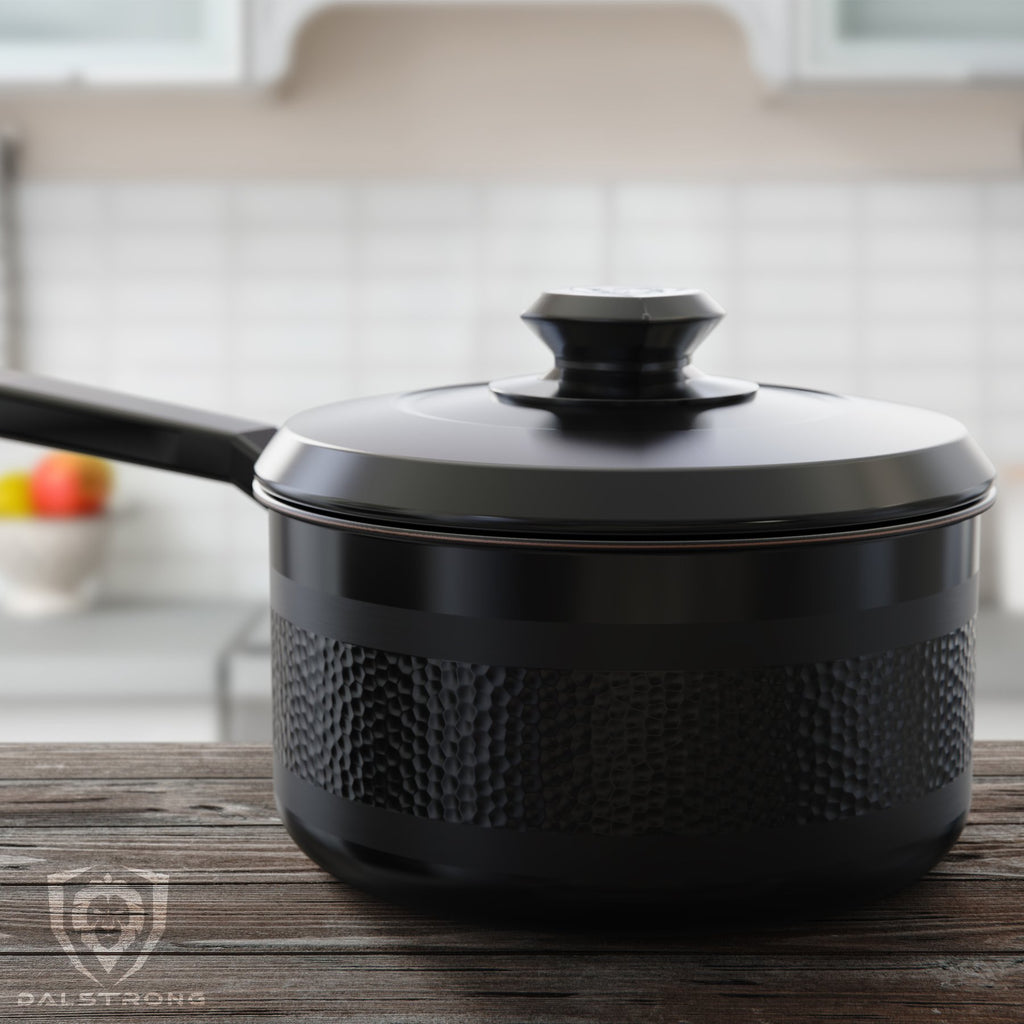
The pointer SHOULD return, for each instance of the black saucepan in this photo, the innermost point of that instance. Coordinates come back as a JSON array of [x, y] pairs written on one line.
[[619, 634]]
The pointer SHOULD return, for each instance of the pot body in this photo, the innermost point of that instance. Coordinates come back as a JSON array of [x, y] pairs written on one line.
[[488, 722]]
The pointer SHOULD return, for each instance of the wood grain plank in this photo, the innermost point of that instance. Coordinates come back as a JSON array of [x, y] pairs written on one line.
[[948, 916], [941, 912], [997, 800], [89, 803], [243, 853], [103, 803], [986, 851], [998, 757], [134, 761], [31, 801], [511, 989], [265, 853], [267, 936]]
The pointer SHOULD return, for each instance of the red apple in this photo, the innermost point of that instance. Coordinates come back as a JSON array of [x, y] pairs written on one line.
[[66, 484]]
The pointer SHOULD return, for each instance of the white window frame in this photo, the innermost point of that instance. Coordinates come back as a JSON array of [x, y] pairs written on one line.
[[822, 53], [217, 57]]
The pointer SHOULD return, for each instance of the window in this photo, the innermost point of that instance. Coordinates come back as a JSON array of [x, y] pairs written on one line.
[[130, 41], [911, 38]]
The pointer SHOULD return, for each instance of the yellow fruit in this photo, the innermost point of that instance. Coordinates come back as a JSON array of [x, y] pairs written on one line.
[[16, 494]]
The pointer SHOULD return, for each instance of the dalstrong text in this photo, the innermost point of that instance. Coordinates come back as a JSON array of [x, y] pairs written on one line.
[[101, 998]]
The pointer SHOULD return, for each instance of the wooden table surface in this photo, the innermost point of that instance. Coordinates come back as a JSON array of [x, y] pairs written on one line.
[[255, 931]]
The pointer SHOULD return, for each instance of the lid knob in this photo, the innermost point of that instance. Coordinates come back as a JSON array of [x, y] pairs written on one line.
[[623, 345]]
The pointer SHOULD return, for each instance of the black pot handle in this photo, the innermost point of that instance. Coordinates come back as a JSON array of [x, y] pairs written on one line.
[[130, 429]]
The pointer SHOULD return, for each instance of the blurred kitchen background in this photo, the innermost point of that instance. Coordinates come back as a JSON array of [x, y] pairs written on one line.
[[259, 207]]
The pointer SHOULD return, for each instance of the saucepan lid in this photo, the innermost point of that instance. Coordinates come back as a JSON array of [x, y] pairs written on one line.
[[624, 437]]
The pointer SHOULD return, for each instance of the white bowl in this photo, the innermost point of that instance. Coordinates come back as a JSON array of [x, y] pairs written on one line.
[[51, 565]]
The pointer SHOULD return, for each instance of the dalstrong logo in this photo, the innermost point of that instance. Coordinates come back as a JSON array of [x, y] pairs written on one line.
[[108, 924]]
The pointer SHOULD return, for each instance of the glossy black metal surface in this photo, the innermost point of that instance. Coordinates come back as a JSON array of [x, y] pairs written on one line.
[[731, 706], [130, 429], [624, 609], [681, 753], [609, 458], [621, 633], [623, 347], [802, 869], [785, 461], [624, 437]]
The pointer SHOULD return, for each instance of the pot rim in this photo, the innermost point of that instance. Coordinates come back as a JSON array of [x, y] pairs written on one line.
[[435, 534]]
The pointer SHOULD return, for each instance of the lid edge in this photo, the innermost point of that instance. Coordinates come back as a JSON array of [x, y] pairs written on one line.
[[650, 539]]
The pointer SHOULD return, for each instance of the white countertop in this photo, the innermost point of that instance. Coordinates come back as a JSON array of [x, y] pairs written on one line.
[[120, 649], [143, 671]]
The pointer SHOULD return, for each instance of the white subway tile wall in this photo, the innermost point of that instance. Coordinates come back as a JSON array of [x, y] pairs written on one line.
[[263, 298]]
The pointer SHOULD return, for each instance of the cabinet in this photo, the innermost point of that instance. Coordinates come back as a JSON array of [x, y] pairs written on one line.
[[249, 42], [790, 41]]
